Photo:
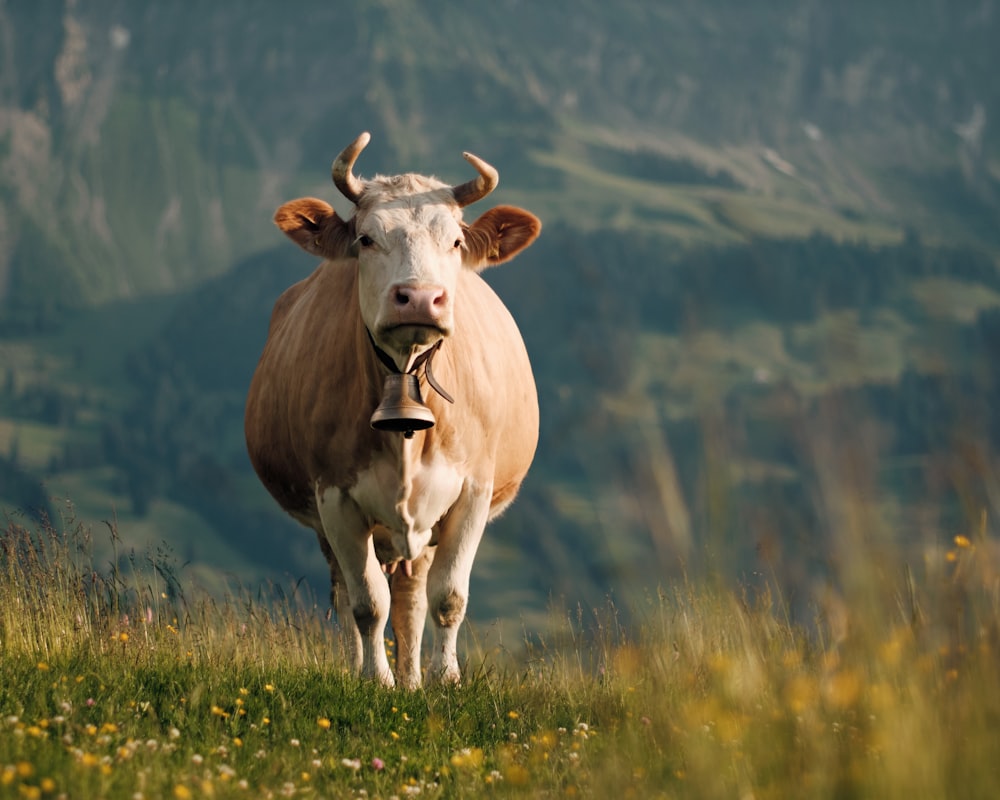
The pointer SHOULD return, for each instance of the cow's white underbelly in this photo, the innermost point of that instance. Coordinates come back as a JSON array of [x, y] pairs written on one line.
[[407, 497]]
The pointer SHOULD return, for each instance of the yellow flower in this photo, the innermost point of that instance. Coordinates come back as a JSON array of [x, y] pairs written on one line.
[[516, 775], [513, 714], [468, 757], [324, 723], [123, 637], [269, 687], [962, 541], [181, 792], [47, 785], [42, 666]]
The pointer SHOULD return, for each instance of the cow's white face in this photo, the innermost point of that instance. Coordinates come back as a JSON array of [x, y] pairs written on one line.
[[410, 244]]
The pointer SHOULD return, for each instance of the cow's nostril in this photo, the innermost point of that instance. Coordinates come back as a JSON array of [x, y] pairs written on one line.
[[402, 298]]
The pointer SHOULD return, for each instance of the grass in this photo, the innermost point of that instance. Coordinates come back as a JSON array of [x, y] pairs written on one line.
[[120, 683]]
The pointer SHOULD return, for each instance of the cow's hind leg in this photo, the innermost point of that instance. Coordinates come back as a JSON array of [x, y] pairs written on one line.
[[350, 636], [409, 615], [448, 579], [351, 542]]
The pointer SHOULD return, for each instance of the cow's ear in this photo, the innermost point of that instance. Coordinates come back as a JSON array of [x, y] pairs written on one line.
[[499, 235], [315, 227]]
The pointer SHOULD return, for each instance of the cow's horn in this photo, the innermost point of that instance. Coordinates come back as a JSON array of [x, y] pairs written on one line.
[[478, 188], [343, 176]]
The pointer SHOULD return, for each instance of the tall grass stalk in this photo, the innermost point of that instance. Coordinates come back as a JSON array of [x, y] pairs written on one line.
[[122, 682]]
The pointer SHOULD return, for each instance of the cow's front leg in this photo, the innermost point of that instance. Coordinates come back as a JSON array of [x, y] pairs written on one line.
[[350, 639], [350, 540], [409, 616], [448, 579]]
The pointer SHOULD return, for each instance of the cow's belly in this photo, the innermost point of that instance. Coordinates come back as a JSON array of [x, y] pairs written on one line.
[[406, 502]]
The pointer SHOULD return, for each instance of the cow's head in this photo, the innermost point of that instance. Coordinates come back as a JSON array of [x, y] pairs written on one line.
[[410, 242]]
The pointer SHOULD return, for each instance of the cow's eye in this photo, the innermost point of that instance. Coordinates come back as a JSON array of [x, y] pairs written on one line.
[[365, 241], [458, 244]]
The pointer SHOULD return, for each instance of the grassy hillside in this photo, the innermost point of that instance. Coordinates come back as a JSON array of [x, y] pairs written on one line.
[[129, 684]]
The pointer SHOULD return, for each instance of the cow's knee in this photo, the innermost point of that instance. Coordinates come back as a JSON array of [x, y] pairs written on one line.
[[449, 610], [366, 617]]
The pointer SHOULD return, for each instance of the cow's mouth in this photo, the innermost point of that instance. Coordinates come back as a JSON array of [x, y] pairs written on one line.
[[406, 336]]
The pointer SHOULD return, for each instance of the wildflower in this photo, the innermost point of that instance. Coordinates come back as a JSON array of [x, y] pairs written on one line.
[[295, 743], [42, 666], [181, 792], [517, 775], [237, 741], [513, 714], [378, 764], [467, 758], [394, 735], [197, 759], [269, 687], [173, 733], [47, 785], [351, 763], [123, 637], [324, 723]]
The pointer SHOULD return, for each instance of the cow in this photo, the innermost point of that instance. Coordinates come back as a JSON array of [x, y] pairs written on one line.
[[399, 507]]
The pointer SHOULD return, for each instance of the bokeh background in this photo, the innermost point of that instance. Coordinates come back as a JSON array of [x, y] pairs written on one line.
[[764, 312]]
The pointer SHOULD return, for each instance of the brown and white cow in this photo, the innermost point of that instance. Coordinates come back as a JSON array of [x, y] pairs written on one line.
[[400, 277]]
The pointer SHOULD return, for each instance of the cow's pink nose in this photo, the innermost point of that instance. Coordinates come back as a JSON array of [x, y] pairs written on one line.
[[420, 301]]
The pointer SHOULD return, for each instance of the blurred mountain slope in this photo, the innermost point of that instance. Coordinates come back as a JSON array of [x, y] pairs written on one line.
[[761, 226]]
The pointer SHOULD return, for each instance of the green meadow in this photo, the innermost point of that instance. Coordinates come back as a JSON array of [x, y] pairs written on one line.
[[120, 681]]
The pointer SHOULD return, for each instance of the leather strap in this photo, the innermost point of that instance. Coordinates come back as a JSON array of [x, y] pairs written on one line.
[[423, 360]]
